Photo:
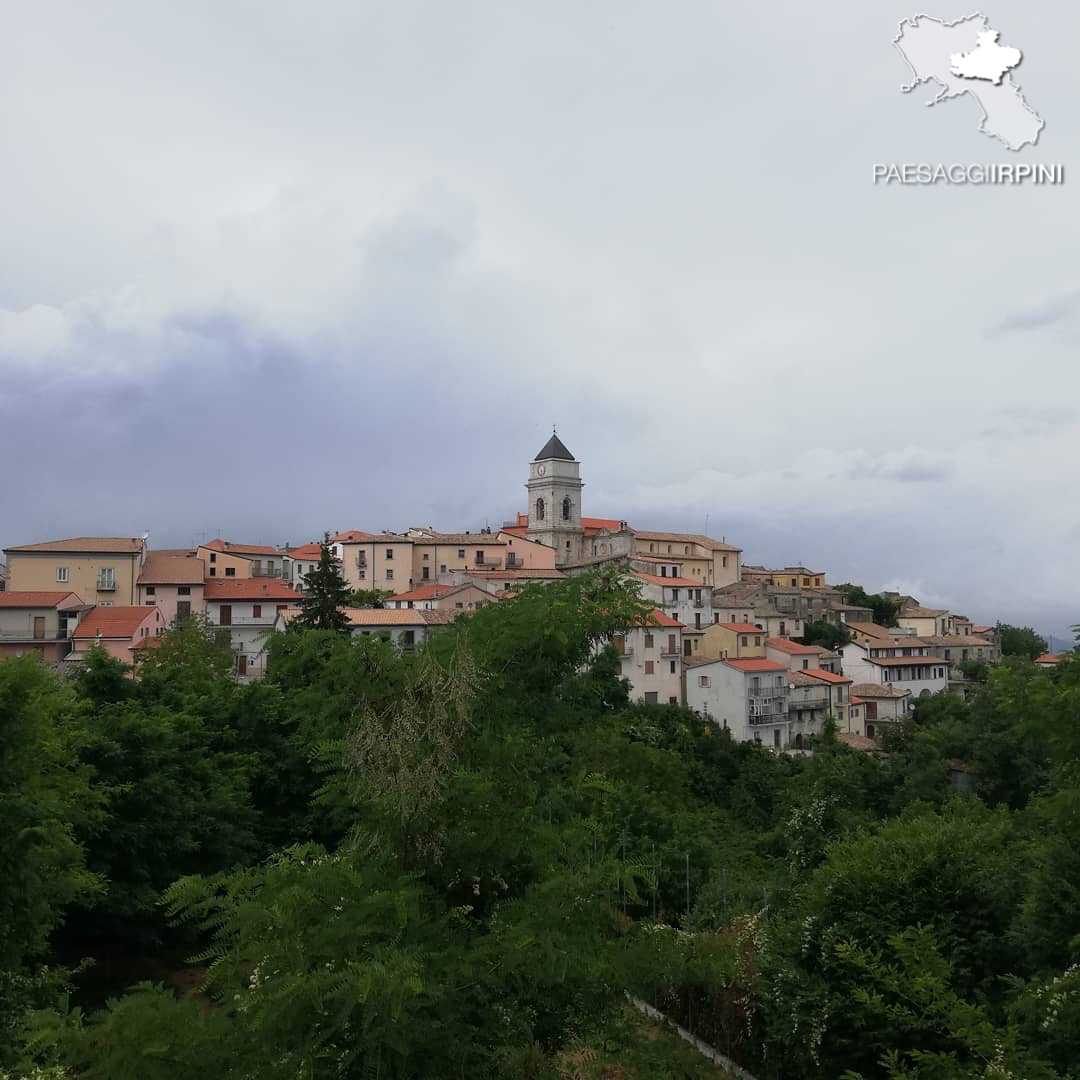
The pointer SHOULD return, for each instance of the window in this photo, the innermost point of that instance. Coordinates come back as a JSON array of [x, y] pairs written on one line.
[[674, 596], [61, 573], [225, 615], [183, 609], [686, 549], [724, 558], [652, 547], [442, 568], [673, 700], [704, 680], [390, 574], [461, 553], [361, 573], [389, 553], [671, 666], [648, 641], [566, 509], [230, 571], [757, 639], [150, 603], [256, 611], [663, 571], [650, 697], [539, 509], [458, 605], [649, 667], [425, 572], [669, 549], [426, 556], [744, 640], [213, 571], [805, 664], [183, 590], [408, 639], [213, 556], [106, 578], [150, 590]]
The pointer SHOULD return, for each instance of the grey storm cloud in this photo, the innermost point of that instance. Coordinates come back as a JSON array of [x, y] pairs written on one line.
[[268, 274]]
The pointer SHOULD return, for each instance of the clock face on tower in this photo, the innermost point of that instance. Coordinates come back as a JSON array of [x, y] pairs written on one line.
[[541, 469]]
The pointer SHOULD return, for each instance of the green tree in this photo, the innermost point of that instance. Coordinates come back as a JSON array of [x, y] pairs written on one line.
[[46, 798], [325, 594], [1020, 641], [826, 634], [369, 598], [884, 609]]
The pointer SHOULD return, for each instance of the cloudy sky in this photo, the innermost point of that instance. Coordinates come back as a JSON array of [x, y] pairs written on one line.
[[270, 268]]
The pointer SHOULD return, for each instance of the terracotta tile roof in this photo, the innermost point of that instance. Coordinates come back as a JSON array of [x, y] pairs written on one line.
[[755, 663], [307, 552], [30, 599], [154, 642], [439, 618], [826, 676], [870, 629], [857, 742], [591, 524], [793, 647], [351, 534], [1046, 658], [741, 627], [800, 678], [659, 618], [519, 532], [667, 559], [697, 661], [91, 545], [268, 589], [240, 549], [113, 622], [922, 613], [424, 592], [159, 569], [873, 690], [677, 582], [982, 629], [685, 538]]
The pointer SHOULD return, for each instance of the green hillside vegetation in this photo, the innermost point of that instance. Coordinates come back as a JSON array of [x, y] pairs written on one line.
[[456, 863]]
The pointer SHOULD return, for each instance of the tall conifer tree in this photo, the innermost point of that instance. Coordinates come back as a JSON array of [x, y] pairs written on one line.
[[325, 594]]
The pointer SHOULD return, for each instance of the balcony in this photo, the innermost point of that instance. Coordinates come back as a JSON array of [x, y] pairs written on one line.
[[265, 571], [795, 703], [28, 635], [699, 603], [767, 712], [250, 620], [106, 585]]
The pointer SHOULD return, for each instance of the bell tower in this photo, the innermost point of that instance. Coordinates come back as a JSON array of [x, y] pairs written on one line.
[[554, 488]]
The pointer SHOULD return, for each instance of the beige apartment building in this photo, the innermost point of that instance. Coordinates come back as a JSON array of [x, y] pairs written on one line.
[[102, 570]]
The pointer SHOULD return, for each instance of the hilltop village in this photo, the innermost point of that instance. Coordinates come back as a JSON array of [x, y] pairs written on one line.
[[724, 637]]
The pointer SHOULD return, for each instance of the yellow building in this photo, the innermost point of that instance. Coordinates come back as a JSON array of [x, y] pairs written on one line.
[[712, 562], [733, 641], [102, 570], [797, 577], [926, 622]]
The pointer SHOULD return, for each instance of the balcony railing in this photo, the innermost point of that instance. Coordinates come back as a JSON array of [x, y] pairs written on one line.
[[28, 635], [796, 703], [766, 714], [106, 585], [265, 571], [250, 620]]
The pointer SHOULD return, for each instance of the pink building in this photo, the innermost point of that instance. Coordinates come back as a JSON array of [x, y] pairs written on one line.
[[173, 584], [118, 630], [38, 622]]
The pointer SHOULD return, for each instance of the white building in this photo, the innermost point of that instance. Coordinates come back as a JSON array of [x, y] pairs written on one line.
[[652, 659], [883, 707], [904, 664], [747, 697], [404, 627], [685, 600], [249, 608]]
